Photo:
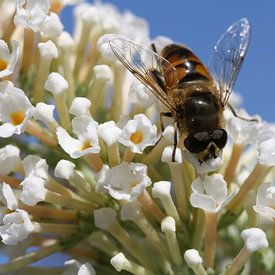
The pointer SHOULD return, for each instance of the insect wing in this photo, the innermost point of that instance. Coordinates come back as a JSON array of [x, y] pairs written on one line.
[[151, 69], [228, 55]]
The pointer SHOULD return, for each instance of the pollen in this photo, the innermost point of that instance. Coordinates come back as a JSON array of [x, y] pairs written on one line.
[[86, 145], [3, 64], [136, 137], [17, 117]]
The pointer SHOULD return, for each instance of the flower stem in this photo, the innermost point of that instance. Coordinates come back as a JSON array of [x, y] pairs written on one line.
[[13, 182], [150, 206], [233, 162], [238, 262], [251, 182], [198, 223], [128, 155], [35, 130], [210, 239], [113, 155], [94, 161], [57, 229], [27, 49], [69, 202], [27, 259], [176, 173]]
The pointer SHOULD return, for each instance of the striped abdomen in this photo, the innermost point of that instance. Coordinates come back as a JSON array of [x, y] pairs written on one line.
[[189, 67]]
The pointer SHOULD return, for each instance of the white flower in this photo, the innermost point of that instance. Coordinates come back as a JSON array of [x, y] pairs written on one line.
[[140, 94], [210, 165], [35, 166], [31, 13], [242, 131], [139, 133], [33, 191], [109, 132], [127, 181], [167, 155], [209, 194], [9, 159], [80, 106], [17, 227], [265, 201], [105, 218], [266, 152], [7, 196], [48, 50], [254, 239], [8, 59], [52, 27], [45, 113], [85, 129], [15, 110], [56, 83], [102, 72], [192, 257], [119, 262], [73, 267], [101, 179]]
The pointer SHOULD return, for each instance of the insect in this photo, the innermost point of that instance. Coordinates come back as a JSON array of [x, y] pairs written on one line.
[[195, 98]]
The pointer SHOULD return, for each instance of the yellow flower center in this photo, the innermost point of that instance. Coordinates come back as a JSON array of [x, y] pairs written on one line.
[[3, 64], [136, 137], [86, 145], [17, 117], [56, 6]]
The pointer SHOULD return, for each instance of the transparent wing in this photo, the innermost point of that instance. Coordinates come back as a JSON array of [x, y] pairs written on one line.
[[151, 69], [228, 55]]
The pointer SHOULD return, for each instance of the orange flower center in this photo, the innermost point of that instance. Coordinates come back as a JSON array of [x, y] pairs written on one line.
[[17, 117], [56, 6], [3, 64], [136, 137], [85, 145]]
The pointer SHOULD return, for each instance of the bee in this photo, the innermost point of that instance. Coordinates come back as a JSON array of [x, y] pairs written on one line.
[[194, 97]]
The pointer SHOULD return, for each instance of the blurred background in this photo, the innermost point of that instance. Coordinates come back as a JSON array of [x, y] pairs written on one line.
[[199, 24]]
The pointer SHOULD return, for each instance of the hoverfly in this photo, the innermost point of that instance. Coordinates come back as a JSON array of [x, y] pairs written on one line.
[[195, 98]]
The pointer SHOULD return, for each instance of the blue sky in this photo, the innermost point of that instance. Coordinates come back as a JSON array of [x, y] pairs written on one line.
[[198, 24]]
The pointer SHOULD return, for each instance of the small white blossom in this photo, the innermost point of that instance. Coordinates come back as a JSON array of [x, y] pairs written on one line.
[[192, 257], [17, 227], [85, 129], [103, 46], [242, 131], [102, 72], [35, 166], [131, 211], [138, 133], [8, 60], [73, 267], [265, 201], [45, 113], [119, 262], [52, 27], [31, 13], [141, 95], [48, 50], [9, 159], [168, 224], [15, 110], [254, 239], [56, 83], [101, 179], [7, 196], [209, 194], [109, 132], [266, 152], [64, 169], [65, 41], [127, 181], [210, 165], [33, 191], [105, 218], [80, 106]]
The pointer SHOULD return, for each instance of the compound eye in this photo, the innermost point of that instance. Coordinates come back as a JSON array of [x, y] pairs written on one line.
[[198, 142], [219, 137]]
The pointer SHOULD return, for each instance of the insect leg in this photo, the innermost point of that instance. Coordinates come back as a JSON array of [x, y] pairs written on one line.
[[240, 117], [162, 114], [153, 46], [175, 141]]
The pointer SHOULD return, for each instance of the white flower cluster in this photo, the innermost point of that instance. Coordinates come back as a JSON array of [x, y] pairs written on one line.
[[86, 169]]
